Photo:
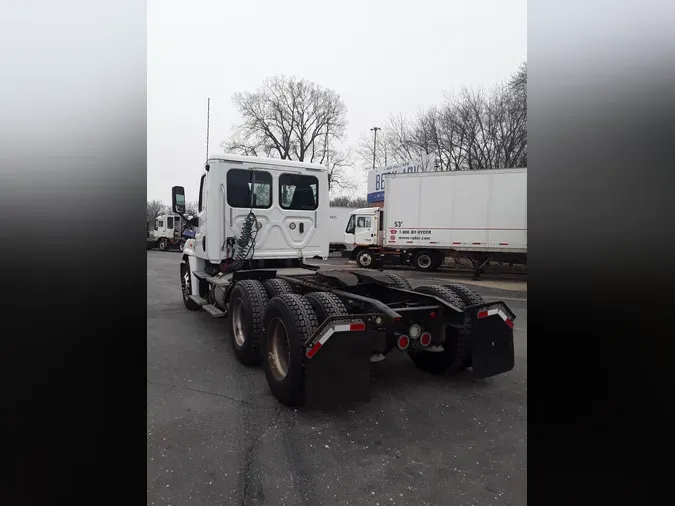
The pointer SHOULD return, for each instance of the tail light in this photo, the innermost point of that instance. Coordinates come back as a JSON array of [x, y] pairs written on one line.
[[425, 339], [403, 342]]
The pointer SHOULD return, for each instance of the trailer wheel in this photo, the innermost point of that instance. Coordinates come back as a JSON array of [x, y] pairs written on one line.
[[162, 244], [186, 286], [400, 282], [424, 261], [365, 259], [246, 307], [326, 304], [451, 360], [469, 296], [289, 321], [276, 286]]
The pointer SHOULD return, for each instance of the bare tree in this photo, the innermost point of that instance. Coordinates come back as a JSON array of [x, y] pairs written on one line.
[[472, 130], [288, 118], [154, 209], [191, 208], [346, 201]]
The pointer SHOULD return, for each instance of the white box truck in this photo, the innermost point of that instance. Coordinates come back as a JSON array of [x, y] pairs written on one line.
[[478, 215]]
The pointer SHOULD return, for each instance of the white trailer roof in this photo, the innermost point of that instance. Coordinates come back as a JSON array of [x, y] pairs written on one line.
[[266, 161], [457, 172]]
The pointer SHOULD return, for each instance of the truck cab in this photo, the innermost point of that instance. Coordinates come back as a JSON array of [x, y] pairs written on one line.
[[364, 227], [167, 231], [273, 209]]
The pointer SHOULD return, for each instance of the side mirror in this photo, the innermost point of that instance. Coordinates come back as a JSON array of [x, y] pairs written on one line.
[[178, 199]]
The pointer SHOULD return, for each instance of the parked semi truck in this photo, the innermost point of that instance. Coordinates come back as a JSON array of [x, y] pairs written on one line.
[[314, 328], [478, 215]]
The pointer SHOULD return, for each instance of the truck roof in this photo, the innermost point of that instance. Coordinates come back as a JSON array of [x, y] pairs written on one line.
[[266, 161], [458, 172]]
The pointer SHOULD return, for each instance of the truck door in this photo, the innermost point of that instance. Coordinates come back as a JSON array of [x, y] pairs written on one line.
[[364, 233], [350, 229]]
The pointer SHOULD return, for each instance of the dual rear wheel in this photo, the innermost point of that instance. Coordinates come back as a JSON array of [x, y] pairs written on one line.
[[270, 324]]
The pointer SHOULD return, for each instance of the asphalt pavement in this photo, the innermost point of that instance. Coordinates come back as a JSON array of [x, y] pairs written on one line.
[[216, 435]]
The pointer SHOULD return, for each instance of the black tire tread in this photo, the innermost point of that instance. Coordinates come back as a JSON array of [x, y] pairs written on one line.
[[257, 298], [189, 303], [470, 297], [399, 281], [305, 321], [436, 362], [276, 286], [326, 305]]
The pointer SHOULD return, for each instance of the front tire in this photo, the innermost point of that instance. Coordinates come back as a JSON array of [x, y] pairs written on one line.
[[247, 304], [289, 321], [186, 286], [365, 259], [162, 244], [424, 261]]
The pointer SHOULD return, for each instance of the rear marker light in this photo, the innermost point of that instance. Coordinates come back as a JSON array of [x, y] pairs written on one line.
[[403, 342], [432, 315], [425, 340]]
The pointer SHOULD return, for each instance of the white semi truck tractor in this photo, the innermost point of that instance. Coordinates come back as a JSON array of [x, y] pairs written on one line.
[[315, 329]]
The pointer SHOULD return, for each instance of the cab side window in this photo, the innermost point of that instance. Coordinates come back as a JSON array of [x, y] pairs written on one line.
[[363, 222], [350, 225], [201, 193]]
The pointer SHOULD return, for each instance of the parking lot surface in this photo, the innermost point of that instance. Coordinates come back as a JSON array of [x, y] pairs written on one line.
[[216, 435]]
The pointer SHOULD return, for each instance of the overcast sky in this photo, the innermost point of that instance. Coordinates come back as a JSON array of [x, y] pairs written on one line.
[[381, 56]]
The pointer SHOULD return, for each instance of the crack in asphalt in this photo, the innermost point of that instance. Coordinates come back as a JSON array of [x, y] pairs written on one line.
[[222, 396], [252, 453]]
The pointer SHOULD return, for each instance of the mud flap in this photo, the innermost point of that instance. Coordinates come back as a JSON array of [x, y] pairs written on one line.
[[337, 371], [492, 339]]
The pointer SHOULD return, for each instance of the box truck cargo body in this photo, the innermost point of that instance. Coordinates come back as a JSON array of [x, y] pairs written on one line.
[[479, 215]]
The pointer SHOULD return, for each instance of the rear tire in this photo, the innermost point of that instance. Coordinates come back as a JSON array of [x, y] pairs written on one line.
[[246, 307], [424, 261], [289, 321], [400, 282], [275, 287], [326, 304], [451, 360], [365, 259], [186, 287], [470, 297]]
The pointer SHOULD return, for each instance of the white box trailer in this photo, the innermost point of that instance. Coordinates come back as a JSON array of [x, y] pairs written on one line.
[[337, 223], [480, 215]]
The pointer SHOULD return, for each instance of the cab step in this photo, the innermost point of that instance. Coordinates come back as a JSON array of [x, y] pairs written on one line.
[[197, 299], [200, 274], [213, 311]]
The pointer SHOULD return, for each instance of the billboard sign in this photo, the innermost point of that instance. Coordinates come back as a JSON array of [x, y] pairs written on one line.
[[376, 178]]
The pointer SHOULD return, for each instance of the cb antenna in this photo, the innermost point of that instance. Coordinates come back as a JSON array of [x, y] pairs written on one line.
[[208, 117]]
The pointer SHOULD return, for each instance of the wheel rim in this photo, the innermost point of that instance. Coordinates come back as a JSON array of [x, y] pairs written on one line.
[[424, 261], [187, 289], [365, 259], [279, 354], [238, 323]]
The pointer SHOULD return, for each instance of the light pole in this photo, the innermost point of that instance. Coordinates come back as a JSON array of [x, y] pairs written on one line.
[[374, 129]]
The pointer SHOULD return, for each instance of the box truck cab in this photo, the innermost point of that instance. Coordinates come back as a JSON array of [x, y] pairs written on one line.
[[364, 227]]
